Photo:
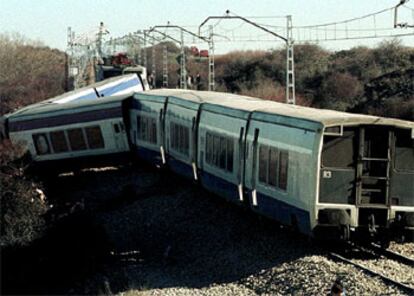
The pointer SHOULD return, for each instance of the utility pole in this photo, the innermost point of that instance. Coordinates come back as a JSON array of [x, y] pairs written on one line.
[[153, 67], [102, 31], [165, 66], [290, 64], [145, 50], [211, 70], [211, 51], [290, 79], [396, 23], [183, 74]]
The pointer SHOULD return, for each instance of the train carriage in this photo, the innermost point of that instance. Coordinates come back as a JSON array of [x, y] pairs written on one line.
[[145, 118], [181, 121], [329, 173], [221, 152], [73, 135], [281, 166]]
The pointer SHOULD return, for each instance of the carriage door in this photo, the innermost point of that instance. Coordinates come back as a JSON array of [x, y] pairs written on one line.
[[119, 135], [373, 165], [338, 167]]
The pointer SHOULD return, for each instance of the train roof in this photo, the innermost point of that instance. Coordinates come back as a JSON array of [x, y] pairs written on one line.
[[263, 109], [47, 108], [119, 84]]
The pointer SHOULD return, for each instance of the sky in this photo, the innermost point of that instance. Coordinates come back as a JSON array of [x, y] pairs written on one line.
[[47, 20]]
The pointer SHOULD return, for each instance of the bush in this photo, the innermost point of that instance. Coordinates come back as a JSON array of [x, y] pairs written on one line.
[[22, 202]]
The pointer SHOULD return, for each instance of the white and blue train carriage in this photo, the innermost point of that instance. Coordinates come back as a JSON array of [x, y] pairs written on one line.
[[73, 135], [321, 171], [331, 173]]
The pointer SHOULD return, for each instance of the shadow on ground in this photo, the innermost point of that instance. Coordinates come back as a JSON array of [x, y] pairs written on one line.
[[158, 231]]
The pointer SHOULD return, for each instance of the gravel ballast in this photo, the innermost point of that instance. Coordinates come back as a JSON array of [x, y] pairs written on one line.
[[186, 241]]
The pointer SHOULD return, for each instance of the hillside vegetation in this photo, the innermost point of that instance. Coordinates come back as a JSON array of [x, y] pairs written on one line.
[[30, 72], [367, 80]]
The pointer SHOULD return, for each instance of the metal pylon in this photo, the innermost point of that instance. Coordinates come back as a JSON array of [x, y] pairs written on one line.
[[153, 67], [139, 49], [290, 64], [144, 49], [69, 55], [211, 78], [165, 66], [183, 72]]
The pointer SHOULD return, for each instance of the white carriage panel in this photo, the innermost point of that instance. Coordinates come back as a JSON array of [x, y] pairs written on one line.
[[182, 116], [225, 126], [106, 130], [153, 115], [300, 145]]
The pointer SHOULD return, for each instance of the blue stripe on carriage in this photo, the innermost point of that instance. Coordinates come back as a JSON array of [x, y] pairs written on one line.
[[113, 90], [65, 119], [267, 206], [281, 211], [220, 186], [180, 167]]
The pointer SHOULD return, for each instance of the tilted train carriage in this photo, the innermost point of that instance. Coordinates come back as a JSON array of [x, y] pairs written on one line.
[[81, 128], [326, 173]]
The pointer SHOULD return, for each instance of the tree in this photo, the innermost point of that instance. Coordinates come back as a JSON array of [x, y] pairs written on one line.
[[30, 72]]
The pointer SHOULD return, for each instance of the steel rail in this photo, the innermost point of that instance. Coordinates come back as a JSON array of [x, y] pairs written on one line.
[[401, 286]]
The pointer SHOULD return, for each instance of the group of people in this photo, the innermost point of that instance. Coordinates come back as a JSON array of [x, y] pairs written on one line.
[[193, 83]]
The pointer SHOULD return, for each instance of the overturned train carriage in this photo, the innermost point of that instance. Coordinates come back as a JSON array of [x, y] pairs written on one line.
[[78, 129], [326, 173], [74, 135]]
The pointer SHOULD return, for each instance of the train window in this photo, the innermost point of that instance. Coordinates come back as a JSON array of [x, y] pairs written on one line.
[[220, 151], [230, 154], [179, 136], [58, 140], [223, 153], [404, 150], [116, 128], [41, 144], [209, 148], [147, 129], [273, 166], [283, 169], [339, 152], [263, 161], [76, 139], [94, 136], [216, 151], [273, 159]]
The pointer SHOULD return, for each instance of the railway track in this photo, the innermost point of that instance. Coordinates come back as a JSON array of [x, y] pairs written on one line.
[[395, 264], [393, 255]]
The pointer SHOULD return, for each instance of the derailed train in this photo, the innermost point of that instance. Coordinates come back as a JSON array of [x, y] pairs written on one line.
[[328, 174]]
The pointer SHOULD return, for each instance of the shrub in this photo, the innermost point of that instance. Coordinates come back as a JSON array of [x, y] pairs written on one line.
[[22, 202]]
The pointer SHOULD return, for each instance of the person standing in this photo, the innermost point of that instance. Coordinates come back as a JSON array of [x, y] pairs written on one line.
[[198, 81]]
